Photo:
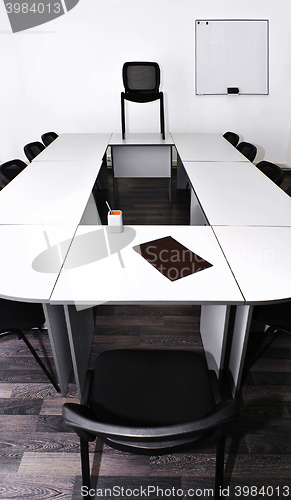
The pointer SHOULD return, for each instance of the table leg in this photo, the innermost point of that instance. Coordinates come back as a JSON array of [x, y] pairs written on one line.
[[58, 335], [80, 324], [242, 323], [102, 178], [214, 323], [169, 185], [182, 177], [197, 216], [142, 161]]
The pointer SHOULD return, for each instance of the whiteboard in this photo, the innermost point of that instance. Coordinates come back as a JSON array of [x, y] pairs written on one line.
[[232, 54]]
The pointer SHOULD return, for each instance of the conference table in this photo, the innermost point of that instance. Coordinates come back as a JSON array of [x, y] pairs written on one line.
[[205, 147], [57, 252], [201, 147], [235, 194]]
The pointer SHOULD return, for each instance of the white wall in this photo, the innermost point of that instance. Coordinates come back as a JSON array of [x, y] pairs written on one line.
[[66, 75]]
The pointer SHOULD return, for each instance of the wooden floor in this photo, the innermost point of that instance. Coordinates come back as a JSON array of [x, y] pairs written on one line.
[[39, 457]]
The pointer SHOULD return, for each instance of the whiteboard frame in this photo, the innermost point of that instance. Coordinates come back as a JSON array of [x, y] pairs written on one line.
[[199, 86]]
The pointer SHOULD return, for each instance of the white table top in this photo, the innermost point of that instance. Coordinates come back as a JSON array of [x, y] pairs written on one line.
[[90, 276], [31, 261], [76, 147], [48, 193], [260, 260], [238, 194], [149, 139], [44, 205], [205, 147]]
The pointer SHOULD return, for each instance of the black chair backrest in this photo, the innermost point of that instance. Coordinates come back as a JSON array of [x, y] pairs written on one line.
[[32, 149], [141, 77], [248, 150], [231, 137], [20, 315], [10, 169], [48, 137], [15, 318], [271, 170]]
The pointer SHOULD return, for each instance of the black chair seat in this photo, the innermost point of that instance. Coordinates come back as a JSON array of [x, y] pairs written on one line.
[[141, 83], [10, 169], [48, 138], [151, 402], [142, 96], [271, 170], [231, 137], [137, 393], [248, 150], [32, 149]]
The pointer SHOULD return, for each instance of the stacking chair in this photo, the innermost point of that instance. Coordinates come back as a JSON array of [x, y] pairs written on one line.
[[32, 149], [231, 137], [151, 402], [248, 150], [271, 170], [10, 169], [141, 82], [18, 316], [275, 318], [48, 137]]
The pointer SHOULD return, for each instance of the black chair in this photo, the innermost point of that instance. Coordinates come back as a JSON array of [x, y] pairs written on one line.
[[248, 150], [32, 149], [276, 316], [288, 191], [18, 316], [231, 137], [10, 169], [275, 319], [141, 82], [48, 137], [271, 170], [151, 402]]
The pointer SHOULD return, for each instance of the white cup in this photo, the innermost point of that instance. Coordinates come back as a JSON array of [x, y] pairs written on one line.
[[115, 223]]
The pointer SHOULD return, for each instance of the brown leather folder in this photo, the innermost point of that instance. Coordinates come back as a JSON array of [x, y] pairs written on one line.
[[171, 258]]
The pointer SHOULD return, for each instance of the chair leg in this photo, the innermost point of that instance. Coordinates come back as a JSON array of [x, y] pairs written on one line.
[[219, 472], [162, 117], [255, 351], [122, 117], [39, 361], [85, 463]]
